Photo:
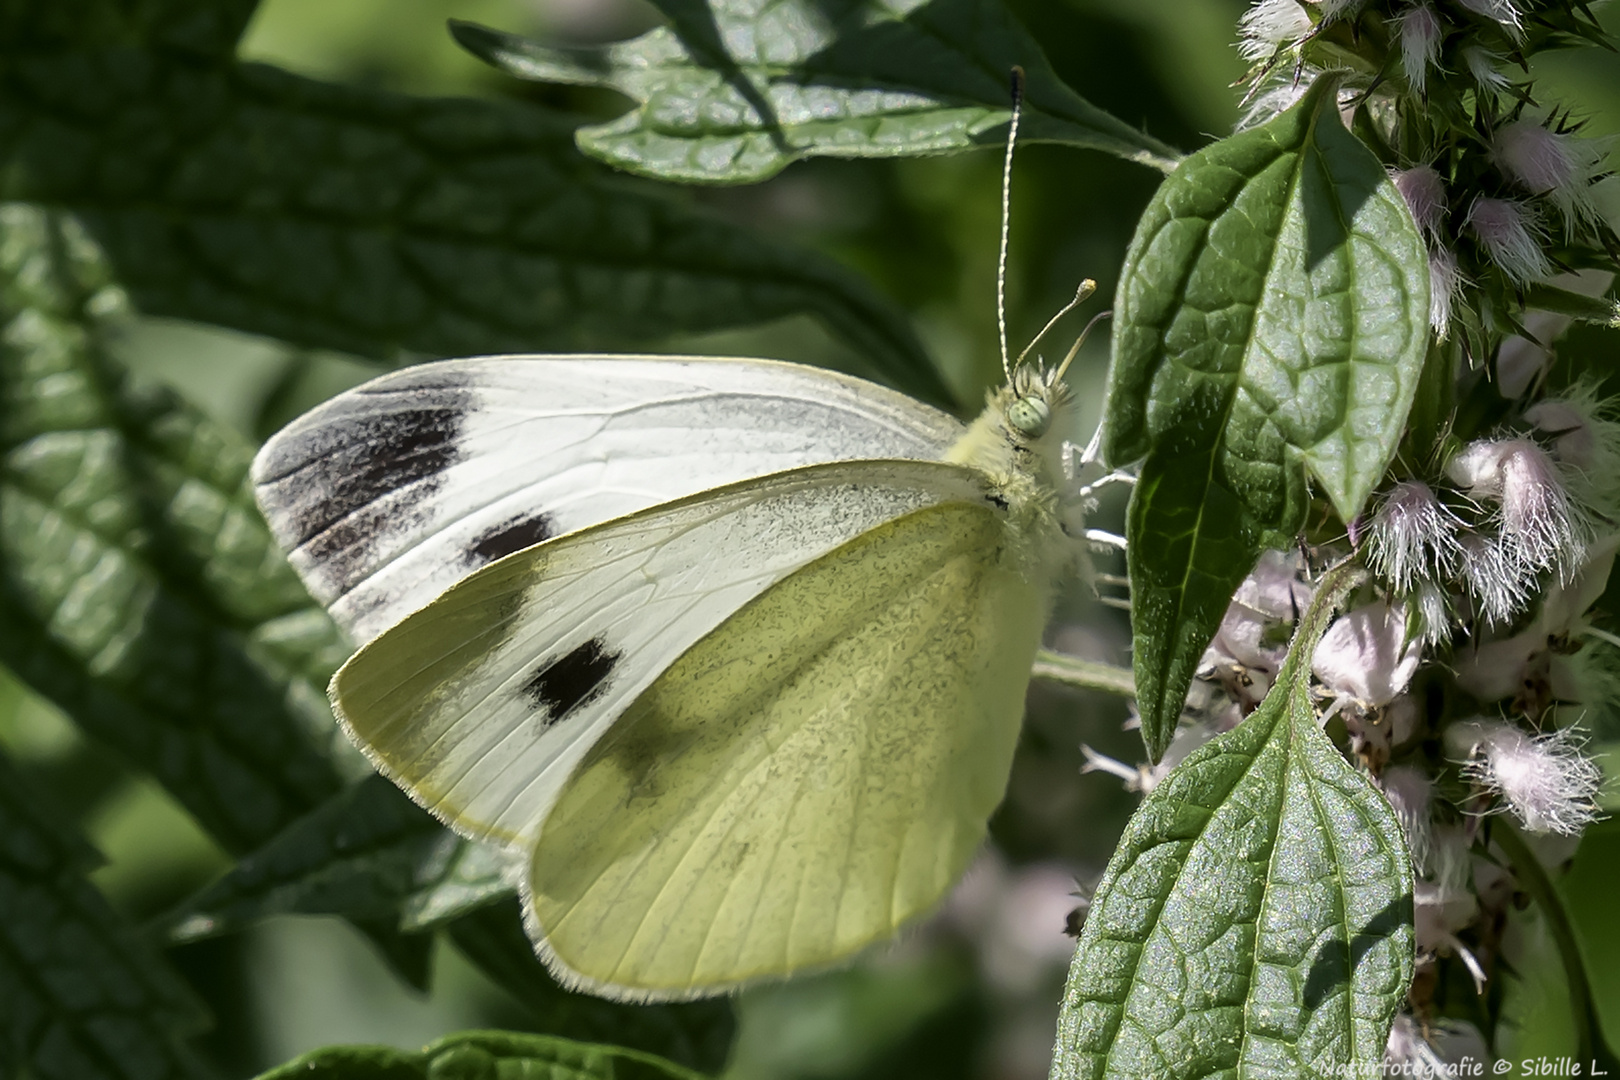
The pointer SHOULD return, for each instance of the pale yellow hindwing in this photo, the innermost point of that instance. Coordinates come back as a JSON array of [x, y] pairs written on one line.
[[804, 780]]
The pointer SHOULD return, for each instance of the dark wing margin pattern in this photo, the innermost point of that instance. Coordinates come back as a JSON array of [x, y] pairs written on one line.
[[339, 482]]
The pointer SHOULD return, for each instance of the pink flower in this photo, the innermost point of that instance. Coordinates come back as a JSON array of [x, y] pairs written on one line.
[[1365, 655]]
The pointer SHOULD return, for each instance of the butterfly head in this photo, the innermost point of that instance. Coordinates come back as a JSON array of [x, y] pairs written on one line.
[[1029, 404]]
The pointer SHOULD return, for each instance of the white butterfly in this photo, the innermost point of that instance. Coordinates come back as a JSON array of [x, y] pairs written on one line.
[[732, 652]]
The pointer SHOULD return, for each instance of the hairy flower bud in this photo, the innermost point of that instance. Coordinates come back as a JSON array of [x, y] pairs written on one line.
[[1503, 11], [1482, 65], [1495, 579], [1541, 528], [1445, 282], [1425, 195], [1544, 780], [1410, 792], [1509, 233], [1412, 537], [1557, 164]]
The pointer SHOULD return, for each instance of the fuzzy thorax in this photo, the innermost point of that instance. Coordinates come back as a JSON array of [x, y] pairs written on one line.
[[1016, 442]]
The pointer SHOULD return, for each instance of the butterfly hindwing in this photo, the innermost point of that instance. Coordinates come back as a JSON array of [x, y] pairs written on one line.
[[481, 703], [807, 778], [391, 492]]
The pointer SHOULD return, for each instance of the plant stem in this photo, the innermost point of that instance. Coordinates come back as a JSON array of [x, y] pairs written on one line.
[[1083, 674]]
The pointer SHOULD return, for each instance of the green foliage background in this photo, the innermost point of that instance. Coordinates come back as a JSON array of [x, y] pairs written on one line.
[[886, 247]]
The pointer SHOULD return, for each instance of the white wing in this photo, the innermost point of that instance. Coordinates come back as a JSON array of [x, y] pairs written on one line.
[[390, 493], [480, 704]]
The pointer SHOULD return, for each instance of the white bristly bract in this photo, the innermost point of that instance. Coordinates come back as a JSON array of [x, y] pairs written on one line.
[[1420, 31], [1270, 25]]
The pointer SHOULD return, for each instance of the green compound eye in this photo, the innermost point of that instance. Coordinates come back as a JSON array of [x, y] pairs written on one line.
[[1030, 416]]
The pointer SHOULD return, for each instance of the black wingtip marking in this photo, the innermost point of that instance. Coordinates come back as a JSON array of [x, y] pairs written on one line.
[[350, 465], [562, 685], [520, 532]]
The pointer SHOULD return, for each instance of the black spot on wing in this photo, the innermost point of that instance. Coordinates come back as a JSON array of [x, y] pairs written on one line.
[[562, 685], [509, 536]]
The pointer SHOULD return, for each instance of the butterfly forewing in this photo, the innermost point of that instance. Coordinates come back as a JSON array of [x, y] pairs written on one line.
[[481, 703], [390, 493], [805, 779]]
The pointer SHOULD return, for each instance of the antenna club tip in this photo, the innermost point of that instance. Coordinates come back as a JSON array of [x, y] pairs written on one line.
[[1087, 287], [1017, 82]]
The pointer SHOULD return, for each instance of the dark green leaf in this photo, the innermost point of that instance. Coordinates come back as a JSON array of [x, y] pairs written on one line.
[[206, 27], [387, 225], [80, 997], [482, 1055], [734, 90], [360, 854], [696, 1033], [1256, 920], [1270, 324], [139, 588], [1600, 310], [368, 853], [1192, 542]]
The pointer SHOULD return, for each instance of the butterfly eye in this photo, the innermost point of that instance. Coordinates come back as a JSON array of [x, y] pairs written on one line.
[[1030, 416]]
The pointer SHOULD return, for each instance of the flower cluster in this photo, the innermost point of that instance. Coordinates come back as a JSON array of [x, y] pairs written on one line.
[[1468, 674], [1501, 189]]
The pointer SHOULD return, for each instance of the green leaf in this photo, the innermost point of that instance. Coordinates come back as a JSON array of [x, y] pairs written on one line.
[[366, 854], [139, 588], [735, 90], [206, 27], [482, 1055], [695, 1033], [1590, 1044], [387, 225], [80, 997], [1256, 919], [1191, 544], [374, 857], [1271, 323]]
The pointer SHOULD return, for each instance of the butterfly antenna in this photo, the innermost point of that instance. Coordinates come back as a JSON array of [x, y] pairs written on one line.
[[1087, 287], [1006, 215], [1074, 350]]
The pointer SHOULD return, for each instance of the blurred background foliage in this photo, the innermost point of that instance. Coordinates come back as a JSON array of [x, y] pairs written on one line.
[[973, 993]]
